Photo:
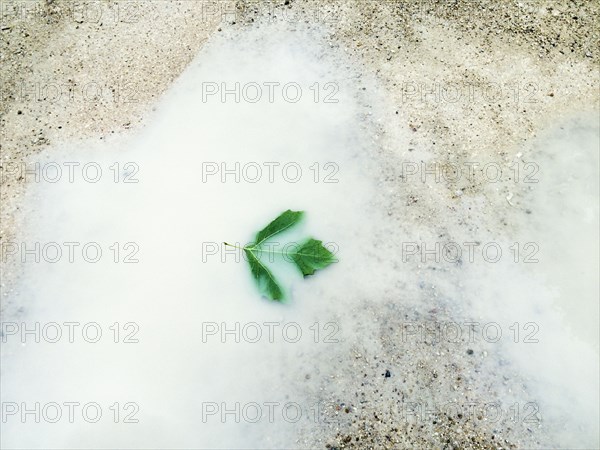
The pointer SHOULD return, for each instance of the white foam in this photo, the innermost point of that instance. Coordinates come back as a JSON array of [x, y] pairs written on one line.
[[169, 214], [171, 291]]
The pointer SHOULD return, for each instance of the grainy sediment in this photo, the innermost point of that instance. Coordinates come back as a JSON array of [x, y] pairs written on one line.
[[543, 55]]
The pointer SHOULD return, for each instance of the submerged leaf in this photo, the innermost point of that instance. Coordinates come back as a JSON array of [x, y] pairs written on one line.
[[264, 278], [282, 223], [312, 256]]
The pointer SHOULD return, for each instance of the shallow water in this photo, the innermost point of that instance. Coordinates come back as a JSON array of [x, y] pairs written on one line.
[[176, 217], [174, 221]]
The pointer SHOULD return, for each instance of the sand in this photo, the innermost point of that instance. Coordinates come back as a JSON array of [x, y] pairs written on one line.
[[518, 66]]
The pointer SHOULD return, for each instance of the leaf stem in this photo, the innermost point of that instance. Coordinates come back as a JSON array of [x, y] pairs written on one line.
[[234, 246], [256, 249]]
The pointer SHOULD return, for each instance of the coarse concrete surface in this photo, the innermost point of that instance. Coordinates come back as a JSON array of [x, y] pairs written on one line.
[[466, 80]]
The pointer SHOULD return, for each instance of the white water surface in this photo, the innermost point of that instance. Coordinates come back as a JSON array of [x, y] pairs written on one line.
[[172, 290]]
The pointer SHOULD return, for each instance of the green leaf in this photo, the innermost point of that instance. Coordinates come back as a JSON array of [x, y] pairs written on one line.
[[312, 256], [264, 278], [285, 220]]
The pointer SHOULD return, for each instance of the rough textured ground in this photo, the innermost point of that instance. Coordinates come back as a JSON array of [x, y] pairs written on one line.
[[542, 55], [71, 72]]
